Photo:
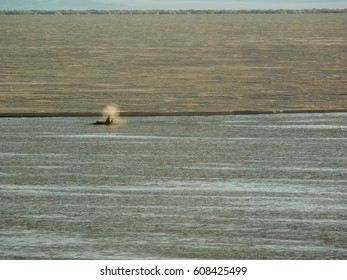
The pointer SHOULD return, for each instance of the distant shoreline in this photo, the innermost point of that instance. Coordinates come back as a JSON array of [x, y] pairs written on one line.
[[165, 12], [165, 114]]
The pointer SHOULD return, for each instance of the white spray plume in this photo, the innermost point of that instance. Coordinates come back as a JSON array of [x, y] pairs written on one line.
[[112, 111]]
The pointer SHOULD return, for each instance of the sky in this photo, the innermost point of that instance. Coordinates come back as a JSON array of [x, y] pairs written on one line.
[[168, 4]]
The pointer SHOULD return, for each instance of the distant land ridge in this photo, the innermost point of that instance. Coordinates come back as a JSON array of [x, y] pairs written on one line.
[[162, 12]]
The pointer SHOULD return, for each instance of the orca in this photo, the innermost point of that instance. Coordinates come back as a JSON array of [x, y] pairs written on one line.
[[108, 121]]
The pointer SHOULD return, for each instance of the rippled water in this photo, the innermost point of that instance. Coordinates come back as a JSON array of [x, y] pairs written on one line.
[[231, 187], [150, 63]]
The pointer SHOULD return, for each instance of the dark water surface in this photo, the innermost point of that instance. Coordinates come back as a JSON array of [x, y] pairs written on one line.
[[231, 187]]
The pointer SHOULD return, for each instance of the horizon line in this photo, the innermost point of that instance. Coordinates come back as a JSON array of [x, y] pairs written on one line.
[[119, 12], [180, 9]]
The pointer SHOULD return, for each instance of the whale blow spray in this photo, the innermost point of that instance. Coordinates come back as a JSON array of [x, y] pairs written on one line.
[[112, 111]]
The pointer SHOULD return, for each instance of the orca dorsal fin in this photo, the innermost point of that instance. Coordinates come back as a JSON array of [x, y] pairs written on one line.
[[108, 120]]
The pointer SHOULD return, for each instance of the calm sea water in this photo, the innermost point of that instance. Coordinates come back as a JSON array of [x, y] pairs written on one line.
[[216, 187]]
